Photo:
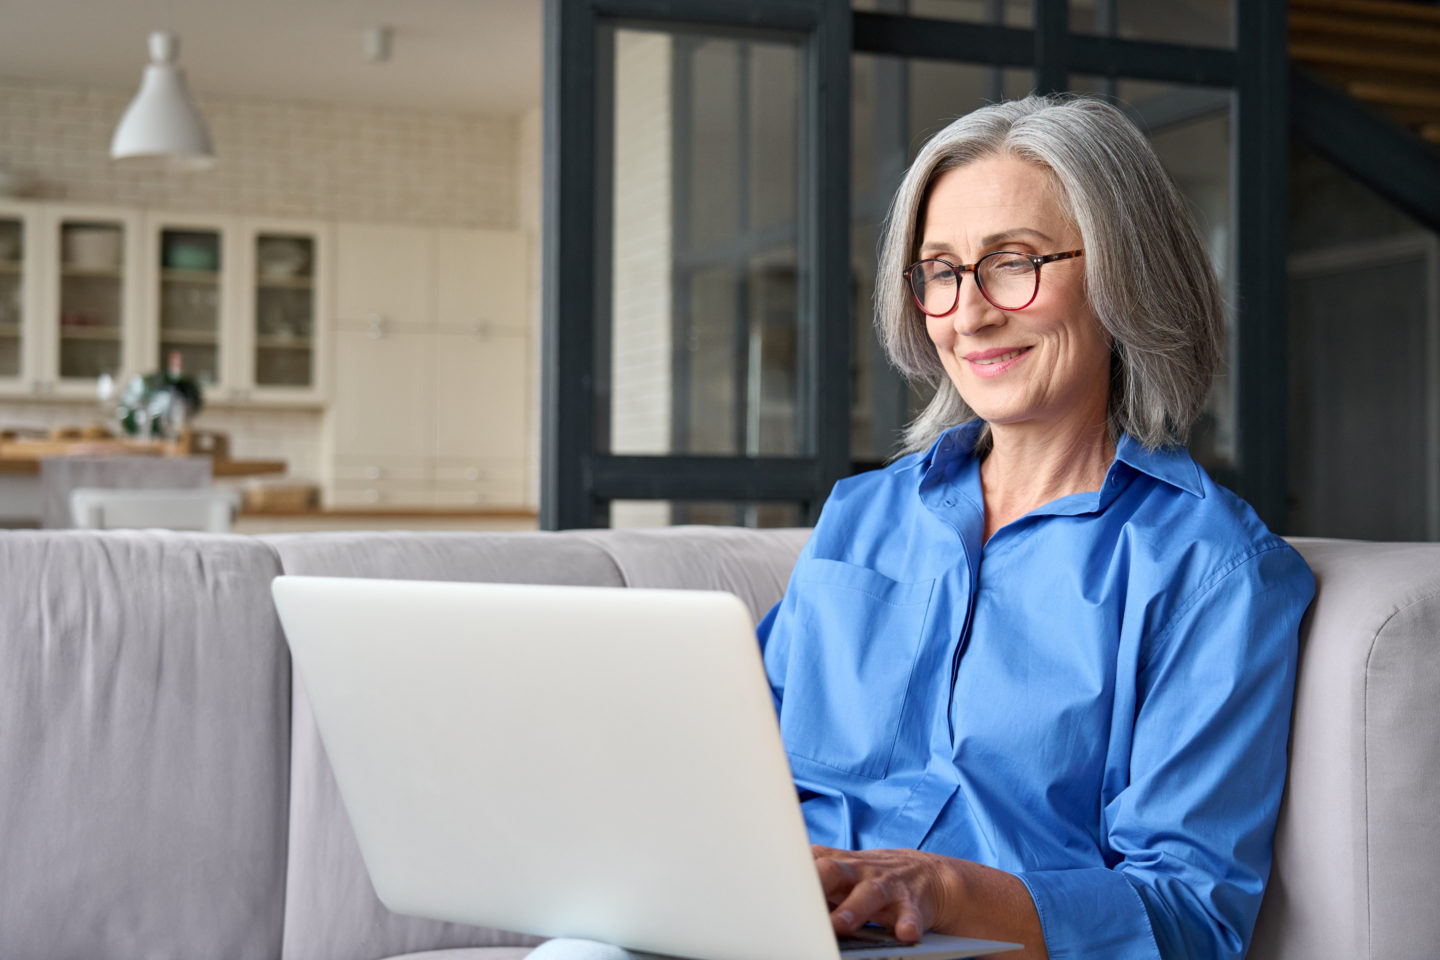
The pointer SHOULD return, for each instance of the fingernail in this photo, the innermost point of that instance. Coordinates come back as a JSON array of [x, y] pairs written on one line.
[[847, 916]]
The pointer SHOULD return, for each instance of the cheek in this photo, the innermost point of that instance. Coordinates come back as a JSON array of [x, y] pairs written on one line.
[[941, 333]]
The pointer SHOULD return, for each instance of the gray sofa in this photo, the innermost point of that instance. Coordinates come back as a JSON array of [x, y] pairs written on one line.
[[163, 793]]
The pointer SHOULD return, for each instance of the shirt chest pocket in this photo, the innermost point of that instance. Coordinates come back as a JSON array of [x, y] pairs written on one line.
[[850, 663]]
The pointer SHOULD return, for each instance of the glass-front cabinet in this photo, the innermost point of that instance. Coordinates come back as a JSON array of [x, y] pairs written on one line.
[[69, 297], [239, 301], [93, 291], [18, 290], [284, 300], [187, 260]]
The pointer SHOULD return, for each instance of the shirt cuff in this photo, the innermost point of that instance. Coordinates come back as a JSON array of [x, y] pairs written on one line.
[[1091, 912]]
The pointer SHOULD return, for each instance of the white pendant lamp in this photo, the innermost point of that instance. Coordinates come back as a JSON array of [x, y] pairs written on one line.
[[162, 120]]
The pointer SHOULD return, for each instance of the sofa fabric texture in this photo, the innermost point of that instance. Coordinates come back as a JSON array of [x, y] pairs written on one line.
[[164, 794], [144, 747], [1357, 846]]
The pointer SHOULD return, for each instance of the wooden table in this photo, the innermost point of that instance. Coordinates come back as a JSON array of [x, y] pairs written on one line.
[[24, 456], [20, 492]]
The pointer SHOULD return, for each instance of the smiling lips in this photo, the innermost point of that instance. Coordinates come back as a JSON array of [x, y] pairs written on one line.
[[992, 363]]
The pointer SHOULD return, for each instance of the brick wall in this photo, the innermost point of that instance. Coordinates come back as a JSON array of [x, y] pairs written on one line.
[[282, 159]]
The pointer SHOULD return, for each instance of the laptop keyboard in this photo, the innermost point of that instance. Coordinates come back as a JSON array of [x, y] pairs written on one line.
[[868, 938]]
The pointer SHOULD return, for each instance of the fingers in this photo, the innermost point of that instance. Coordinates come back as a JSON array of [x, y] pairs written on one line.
[[836, 876], [865, 901], [874, 887]]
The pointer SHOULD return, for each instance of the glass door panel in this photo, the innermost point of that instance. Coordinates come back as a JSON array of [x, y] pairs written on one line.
[[189, 302], [13, 256], [284, 322], [704, 355], [92, 298]]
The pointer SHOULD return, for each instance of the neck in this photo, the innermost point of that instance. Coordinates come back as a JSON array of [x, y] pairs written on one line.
[[1030, 465]]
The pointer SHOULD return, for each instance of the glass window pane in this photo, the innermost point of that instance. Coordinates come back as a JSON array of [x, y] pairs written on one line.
[[1191, 129], [1009, 13], [897, 104], [91, 303], [703, 348], [1203, 23], [12, 261], [189, 297], [667, 513], [1357, 401], [284, 310]]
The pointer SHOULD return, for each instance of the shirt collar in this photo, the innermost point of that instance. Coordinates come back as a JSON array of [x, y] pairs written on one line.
[[1171, 465]]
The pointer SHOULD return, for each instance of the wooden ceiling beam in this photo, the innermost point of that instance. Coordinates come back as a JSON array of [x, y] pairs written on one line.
[[1394, 94], [1332, 54], [1373, 9], [1328, 26]]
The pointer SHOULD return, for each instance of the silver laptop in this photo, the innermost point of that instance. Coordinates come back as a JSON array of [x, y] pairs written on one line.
[[569, 762]]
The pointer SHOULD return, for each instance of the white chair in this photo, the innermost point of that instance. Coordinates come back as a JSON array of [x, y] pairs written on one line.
[[97, 508]]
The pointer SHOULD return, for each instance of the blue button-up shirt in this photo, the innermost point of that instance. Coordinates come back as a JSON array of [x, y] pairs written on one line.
[[1096, 700]]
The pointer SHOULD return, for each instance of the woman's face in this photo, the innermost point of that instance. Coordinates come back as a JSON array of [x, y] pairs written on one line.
[[1048, 364]]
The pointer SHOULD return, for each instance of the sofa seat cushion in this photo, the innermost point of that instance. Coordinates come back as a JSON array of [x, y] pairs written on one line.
[[469, 953]]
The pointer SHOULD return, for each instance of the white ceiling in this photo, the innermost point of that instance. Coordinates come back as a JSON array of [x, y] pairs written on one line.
[[475, 56]]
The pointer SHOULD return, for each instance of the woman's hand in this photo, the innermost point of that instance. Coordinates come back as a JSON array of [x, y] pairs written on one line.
[[902, 890], [911, 892]]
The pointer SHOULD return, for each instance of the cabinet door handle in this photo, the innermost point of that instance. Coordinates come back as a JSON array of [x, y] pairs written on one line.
[[372, 496], [472, 473], [373, 473], [481, 329], [379, 327]]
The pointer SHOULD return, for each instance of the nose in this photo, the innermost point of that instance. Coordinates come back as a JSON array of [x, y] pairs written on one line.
[[973, 313]]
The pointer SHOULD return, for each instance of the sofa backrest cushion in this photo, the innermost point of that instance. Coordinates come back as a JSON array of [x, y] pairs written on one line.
[[144, 745], [754, 565], [331, 910], [1357, 848]]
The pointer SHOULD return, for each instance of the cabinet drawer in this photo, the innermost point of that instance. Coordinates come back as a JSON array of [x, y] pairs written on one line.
[[371, 470], [479, 472], [479, 485], [380, 494]]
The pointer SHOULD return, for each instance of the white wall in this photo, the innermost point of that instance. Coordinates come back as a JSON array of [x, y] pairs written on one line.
[[641, 295]]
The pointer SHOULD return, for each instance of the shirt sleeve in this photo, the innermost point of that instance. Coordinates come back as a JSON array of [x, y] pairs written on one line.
[[1191, 833]]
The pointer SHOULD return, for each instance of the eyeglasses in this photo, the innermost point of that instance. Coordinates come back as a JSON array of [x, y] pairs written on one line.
[[1009, 280]]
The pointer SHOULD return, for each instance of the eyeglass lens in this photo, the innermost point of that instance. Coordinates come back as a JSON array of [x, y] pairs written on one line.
[[1008, 280]]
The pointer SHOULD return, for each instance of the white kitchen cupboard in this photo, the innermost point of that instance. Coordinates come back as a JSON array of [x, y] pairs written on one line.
[[431, 368], [284, 350], [19, 297], [69, 297], [87, 290], [242, 300], [191, 281]]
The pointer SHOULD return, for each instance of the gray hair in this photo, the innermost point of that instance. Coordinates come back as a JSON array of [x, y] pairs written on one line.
[[1147, 276]]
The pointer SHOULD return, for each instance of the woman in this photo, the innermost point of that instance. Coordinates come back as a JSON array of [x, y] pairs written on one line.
[[1034, 677]]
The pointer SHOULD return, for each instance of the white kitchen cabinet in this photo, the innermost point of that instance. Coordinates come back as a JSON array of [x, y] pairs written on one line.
[[383, 275], [431, 369], [241, 301], [191, 281], [70, 297], [381, 403], [284, 300], [20, 284], [481, 280]]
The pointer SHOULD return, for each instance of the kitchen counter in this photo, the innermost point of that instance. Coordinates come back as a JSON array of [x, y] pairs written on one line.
[[24, 456], [337, 520]]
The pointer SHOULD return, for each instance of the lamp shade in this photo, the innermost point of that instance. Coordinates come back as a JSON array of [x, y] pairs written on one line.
[[162, 120]]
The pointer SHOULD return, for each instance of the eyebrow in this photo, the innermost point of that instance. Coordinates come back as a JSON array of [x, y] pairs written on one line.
[[993, 239]]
